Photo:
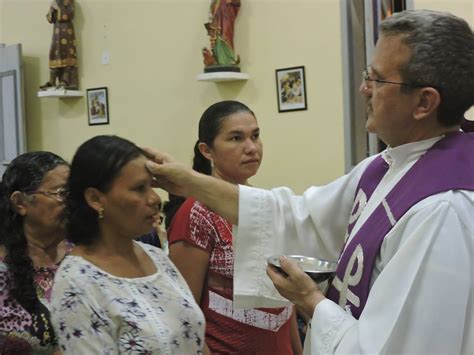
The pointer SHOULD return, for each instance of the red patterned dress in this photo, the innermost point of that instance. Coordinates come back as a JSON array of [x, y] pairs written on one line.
[[228, 330]]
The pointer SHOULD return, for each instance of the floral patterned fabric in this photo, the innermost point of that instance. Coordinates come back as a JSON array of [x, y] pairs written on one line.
[[22, 332], [94, 312]]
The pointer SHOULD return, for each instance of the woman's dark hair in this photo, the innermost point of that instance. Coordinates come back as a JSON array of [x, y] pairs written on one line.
[[209, 127], [170, 208], [24, 173], [96, 164]]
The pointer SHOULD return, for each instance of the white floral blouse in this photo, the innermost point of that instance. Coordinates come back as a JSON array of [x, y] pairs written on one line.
[[94, 312]]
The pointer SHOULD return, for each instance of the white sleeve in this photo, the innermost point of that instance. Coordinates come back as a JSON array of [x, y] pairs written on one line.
[[421, 301], [277, 221], [81, 327]]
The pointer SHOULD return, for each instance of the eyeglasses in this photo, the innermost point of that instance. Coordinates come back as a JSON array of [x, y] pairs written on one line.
[[366, 78], [59, 194]]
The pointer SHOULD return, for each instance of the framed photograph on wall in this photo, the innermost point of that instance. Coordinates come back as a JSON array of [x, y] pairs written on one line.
[[291, 89], [97, 106]]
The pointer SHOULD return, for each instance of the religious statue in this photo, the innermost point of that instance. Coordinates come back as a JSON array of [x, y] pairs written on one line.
[[220, 29], [62, 54]]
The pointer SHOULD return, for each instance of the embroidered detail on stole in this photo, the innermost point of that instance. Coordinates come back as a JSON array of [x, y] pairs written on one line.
[[389, 213], [359, 205], [350, 279], [368, 182]]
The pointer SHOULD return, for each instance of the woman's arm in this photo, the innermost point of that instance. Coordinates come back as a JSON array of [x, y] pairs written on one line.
[[295, 335], [192, 262]]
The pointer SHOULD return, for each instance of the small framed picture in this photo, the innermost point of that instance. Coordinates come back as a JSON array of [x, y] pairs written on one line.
[[97, 106], [291, 89]]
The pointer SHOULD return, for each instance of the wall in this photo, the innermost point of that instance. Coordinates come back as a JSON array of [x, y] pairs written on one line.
[[154, 98], [1, 21]]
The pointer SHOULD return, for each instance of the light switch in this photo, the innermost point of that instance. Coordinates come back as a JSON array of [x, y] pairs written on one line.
[[105, 57]]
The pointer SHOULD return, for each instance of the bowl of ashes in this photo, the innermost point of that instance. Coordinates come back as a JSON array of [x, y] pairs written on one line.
[[318, 270]]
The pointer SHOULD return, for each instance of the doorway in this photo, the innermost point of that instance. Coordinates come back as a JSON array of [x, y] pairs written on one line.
[[359, 21]]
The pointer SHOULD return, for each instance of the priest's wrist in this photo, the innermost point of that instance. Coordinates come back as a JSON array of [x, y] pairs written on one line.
[[308, 305]]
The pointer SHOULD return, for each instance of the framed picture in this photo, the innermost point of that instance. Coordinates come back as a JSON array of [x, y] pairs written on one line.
[[97, 106], [291, 89]]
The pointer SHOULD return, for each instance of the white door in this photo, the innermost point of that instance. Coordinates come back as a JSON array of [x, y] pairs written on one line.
[[12, 122]]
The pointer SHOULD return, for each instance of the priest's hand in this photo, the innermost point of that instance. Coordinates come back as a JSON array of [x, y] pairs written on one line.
[[168, 173], [296, 286]]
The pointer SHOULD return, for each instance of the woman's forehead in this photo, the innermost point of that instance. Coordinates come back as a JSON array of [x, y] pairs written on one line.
[[134, 168]]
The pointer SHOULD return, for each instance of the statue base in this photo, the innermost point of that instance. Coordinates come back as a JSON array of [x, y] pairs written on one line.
[[56, 92], [222, 76], [221, 68]]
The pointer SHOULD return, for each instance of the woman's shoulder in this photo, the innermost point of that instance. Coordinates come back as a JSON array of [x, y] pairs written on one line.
[[199, 212], [155, 253], [189, 212], [187, 206], [78, 276], [159, 258], [206, 218], [72, 266]]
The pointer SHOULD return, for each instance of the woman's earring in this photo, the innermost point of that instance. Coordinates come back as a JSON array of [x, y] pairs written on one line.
[[100, 213]]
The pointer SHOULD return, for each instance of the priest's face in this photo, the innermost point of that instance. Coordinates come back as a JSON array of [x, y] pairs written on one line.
[[389, 105]]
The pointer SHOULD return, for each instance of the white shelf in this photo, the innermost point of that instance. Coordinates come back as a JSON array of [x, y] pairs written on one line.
[[222, 76], [60, 93]]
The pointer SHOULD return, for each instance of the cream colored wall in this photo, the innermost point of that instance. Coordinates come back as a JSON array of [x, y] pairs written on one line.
[[154, 98], [461, 8], [1, 21]]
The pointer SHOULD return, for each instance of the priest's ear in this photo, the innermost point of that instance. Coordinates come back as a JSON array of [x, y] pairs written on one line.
[[428, 103]]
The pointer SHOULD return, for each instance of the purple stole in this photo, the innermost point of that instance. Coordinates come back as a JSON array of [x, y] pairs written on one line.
[[447, 165]]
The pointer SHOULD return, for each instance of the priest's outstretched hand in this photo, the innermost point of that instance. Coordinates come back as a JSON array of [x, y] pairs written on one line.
[[178, 179]]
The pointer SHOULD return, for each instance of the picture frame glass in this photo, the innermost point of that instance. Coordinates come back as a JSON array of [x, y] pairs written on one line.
[[291, 89], [97, 106]]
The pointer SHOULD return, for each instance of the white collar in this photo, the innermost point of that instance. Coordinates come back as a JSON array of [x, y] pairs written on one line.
[[407, 152]]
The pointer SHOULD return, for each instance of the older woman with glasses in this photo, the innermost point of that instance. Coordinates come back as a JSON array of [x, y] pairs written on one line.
[[31, 247]]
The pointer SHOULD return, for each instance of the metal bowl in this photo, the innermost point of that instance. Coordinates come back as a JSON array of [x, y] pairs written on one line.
[[318, 270]]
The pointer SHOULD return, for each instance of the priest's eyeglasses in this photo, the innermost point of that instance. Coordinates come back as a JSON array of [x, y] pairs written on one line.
[[58, 195], [366, 78]]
